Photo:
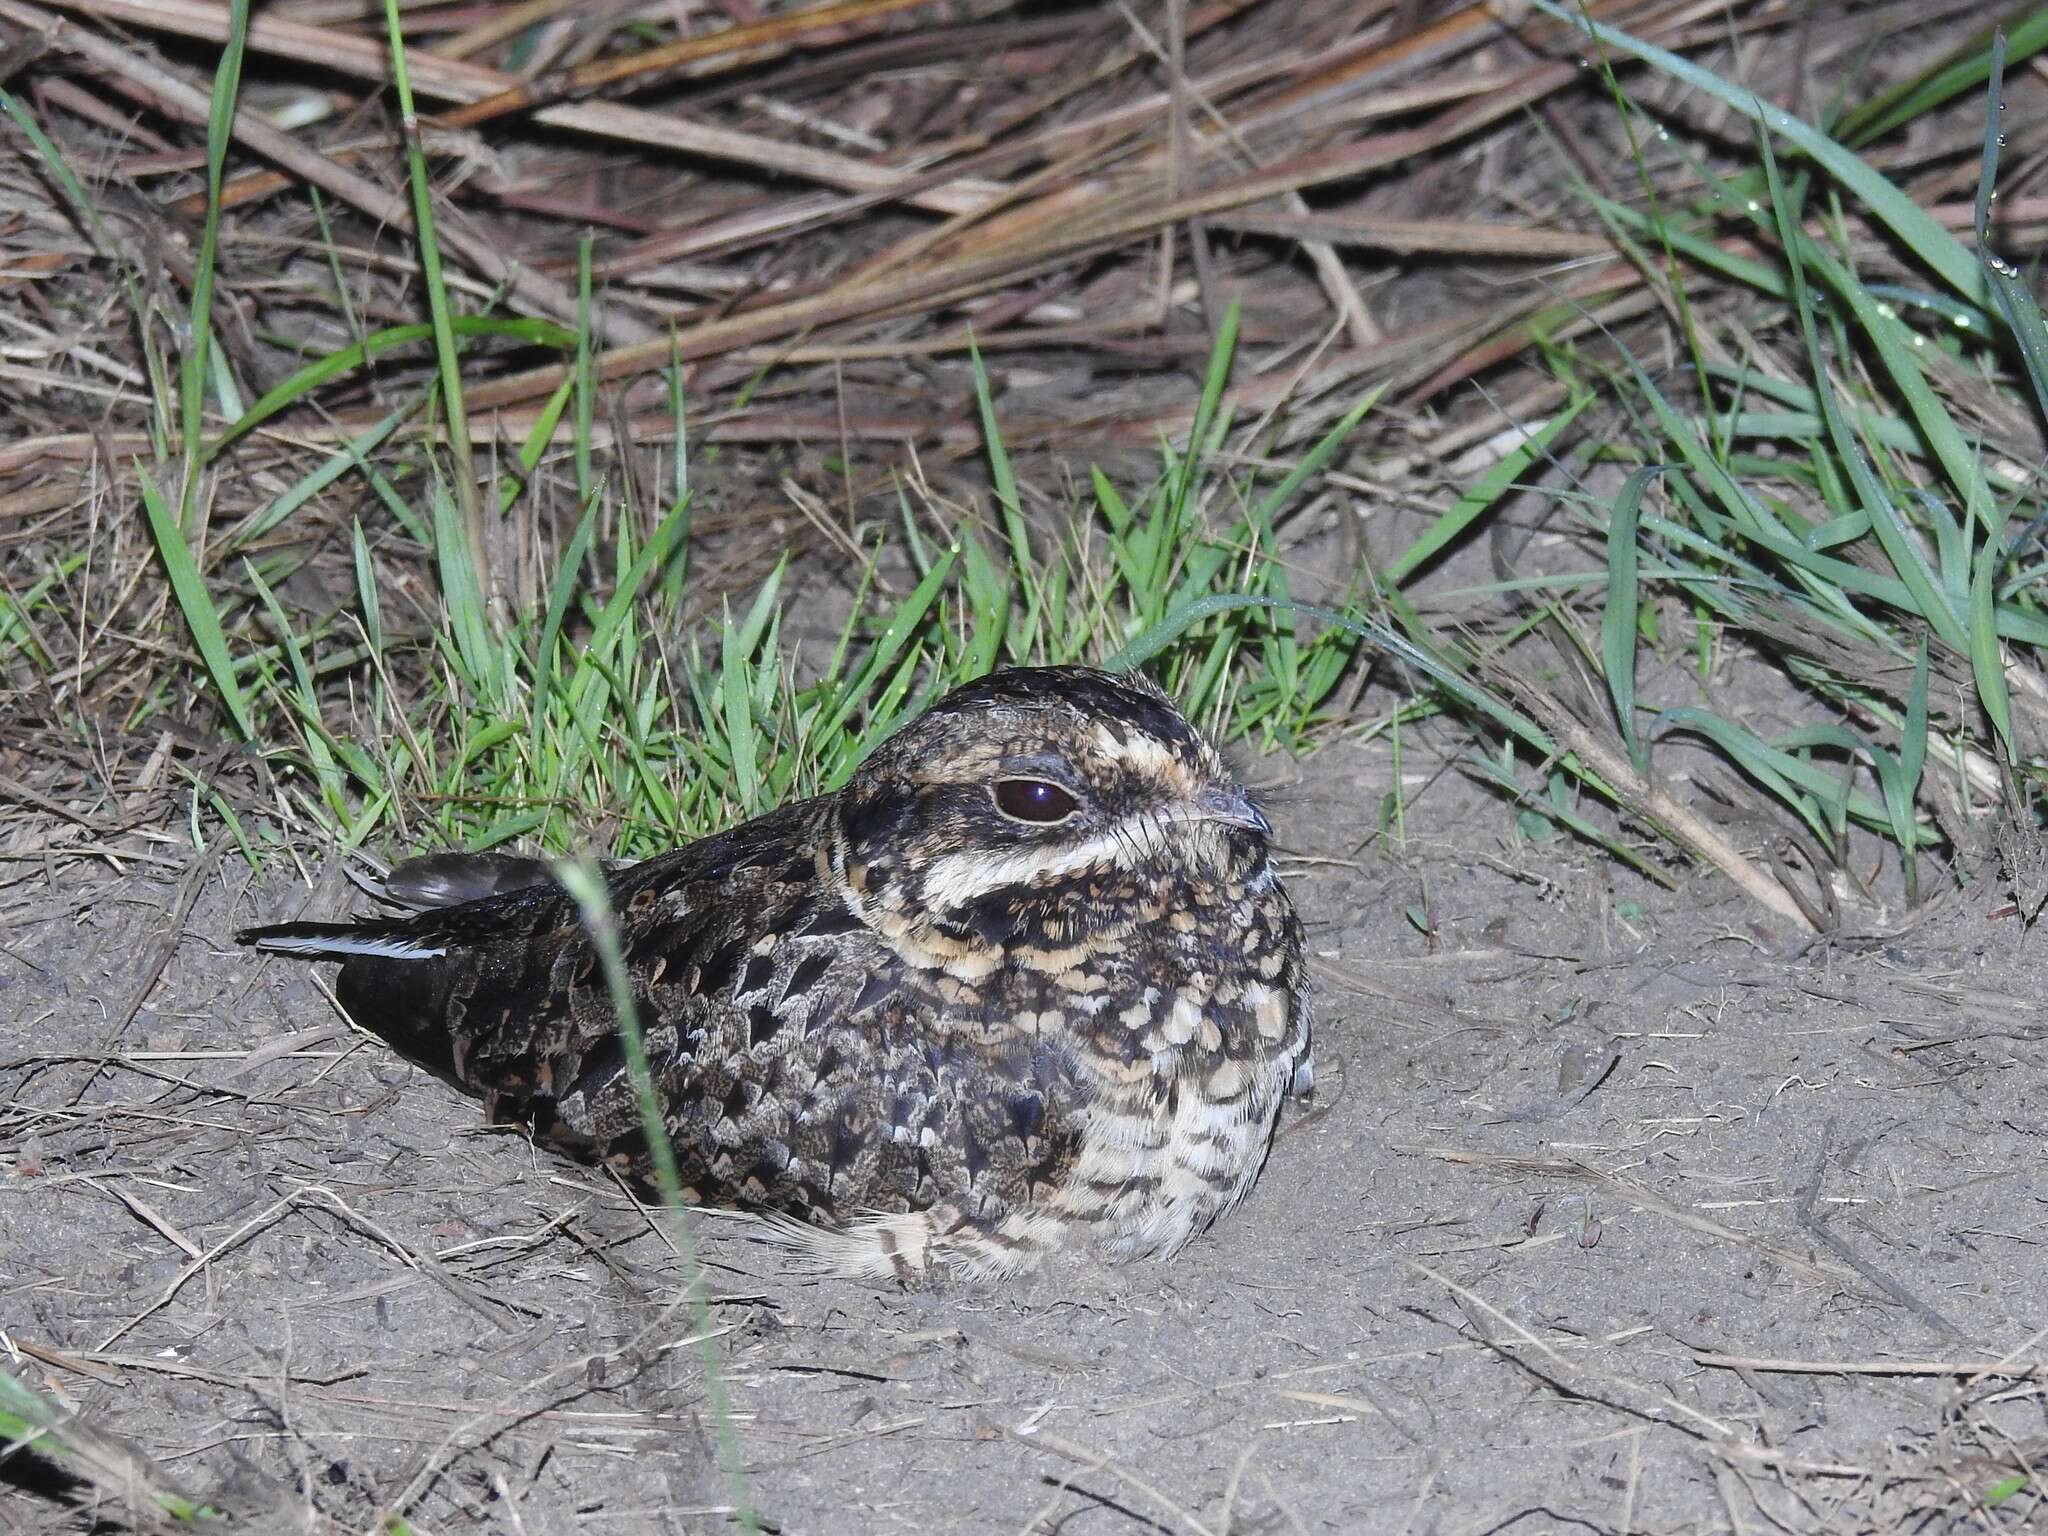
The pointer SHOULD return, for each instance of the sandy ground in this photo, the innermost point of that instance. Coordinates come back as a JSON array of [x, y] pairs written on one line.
[[1590, 1165]]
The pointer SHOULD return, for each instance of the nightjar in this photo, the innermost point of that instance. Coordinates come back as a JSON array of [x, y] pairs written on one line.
[[1028, 980]]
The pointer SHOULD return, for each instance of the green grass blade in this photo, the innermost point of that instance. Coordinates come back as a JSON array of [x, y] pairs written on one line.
[[1987, 662], [1912, 765], [1697, 249], [1312, 462], [83, 209], [586, 888], [986, 591], [462, 596], [1914, 225], [355, 451], [303, 381], [1481, 497], [446, 358], [1005, 481], [1624, 599], [201, 617], [647, 564], [1144, 647], [115, 1470], [679, 568], [220, 124], [1551, 809], [895, 640], [580, 375], [2014, 293], [568, 576], [305, 701], [1922, 93], [535, 444], [1896, 349], [366, 587], [1788, 776], [1930, 599], [740, 696], [1214, 379]]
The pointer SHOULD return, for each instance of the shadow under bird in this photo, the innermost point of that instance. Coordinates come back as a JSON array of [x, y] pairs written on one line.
[[1029, 980]]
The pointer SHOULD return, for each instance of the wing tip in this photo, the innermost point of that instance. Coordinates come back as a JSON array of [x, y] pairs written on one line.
[[339, 941]]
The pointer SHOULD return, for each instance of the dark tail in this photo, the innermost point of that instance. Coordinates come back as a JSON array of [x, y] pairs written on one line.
[[446, 980], [394, 981], [345, 941]]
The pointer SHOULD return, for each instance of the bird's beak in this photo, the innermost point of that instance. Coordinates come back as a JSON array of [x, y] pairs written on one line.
[[1229, 804]]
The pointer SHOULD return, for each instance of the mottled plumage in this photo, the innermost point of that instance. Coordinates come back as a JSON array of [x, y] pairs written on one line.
[[1029, 977]]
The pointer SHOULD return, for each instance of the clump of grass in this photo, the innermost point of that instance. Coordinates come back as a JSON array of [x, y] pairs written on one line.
[[534, 729], [494, 727], [490, 726], [605, 709], [1850, 524]]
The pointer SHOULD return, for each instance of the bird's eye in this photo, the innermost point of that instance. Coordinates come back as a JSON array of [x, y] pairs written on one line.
[[1034, 800]]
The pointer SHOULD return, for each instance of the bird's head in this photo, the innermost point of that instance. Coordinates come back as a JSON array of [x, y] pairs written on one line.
[[1028, 804]]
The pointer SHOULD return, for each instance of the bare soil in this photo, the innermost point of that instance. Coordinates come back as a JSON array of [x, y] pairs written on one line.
[[1616, 1210]]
